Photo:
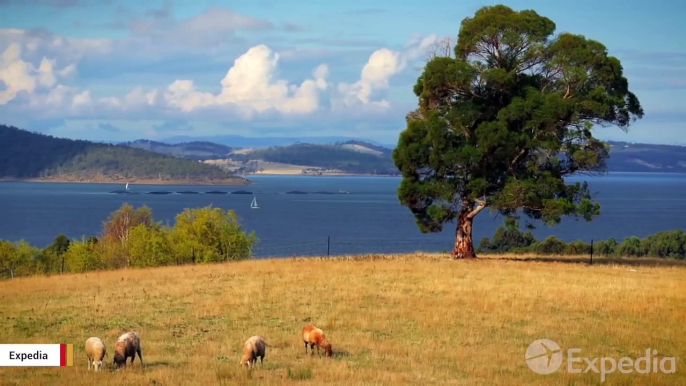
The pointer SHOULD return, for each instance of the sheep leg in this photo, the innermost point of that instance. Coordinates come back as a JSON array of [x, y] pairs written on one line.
[[305, 348], [318, 353], [312, 348], [138, 351], [89, 364]]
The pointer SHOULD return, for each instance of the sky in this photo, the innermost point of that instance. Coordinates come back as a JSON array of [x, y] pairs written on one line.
[[119, 70]]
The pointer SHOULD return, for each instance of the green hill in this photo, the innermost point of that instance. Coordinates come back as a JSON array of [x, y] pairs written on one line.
[[32, 156]]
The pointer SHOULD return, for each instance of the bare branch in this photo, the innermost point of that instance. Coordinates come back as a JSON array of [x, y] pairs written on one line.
[[481, 206], [441, 48]]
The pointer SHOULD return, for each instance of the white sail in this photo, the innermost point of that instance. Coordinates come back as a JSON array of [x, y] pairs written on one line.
[[253, 204], [127, 186]]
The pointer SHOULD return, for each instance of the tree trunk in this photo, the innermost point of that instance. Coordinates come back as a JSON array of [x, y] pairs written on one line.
[[464, 244]]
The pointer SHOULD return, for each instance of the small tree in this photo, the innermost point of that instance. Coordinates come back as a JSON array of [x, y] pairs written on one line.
[[211, 234], [8, 258], [503, 122], [116, 231]]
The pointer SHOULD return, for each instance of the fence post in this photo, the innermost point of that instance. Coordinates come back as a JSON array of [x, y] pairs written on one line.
[[12, 271], [591, 252], [328, 245], [193, 253], [63, 263]]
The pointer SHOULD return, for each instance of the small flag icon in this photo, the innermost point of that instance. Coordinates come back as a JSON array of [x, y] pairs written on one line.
[[36, 355]]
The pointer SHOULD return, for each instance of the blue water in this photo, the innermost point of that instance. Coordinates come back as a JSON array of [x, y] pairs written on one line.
[[368, 220]]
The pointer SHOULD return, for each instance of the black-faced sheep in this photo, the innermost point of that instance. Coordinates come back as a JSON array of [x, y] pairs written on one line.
[[252, 349], [127, 346]]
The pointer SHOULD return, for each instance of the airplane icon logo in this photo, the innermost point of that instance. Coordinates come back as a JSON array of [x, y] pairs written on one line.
[[543, 356]]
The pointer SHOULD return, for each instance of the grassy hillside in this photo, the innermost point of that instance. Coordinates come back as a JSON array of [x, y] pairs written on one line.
[[349, 157], [26, 155], [409, 319]]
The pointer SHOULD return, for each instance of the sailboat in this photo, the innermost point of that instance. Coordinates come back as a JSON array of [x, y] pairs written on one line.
[[127, 186], [253, 204]]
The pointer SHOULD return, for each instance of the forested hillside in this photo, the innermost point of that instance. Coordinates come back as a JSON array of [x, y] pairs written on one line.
[[27, 155]]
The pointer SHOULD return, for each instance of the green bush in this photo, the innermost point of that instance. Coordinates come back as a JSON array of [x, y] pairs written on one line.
[[131, 238], [510, 239]]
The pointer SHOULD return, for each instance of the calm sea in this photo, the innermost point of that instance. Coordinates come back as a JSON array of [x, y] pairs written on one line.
[[368, 220]]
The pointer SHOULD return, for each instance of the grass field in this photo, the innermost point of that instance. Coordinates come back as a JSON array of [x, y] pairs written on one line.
[[410, 319]]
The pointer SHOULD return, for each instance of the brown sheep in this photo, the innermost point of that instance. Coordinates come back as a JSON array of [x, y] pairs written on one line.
[[127, 346], [253, 348], [315, 337], [96, 352]]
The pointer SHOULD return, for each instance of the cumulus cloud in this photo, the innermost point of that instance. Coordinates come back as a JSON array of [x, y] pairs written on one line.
[[382, 65], [252, 85], [18, 75], [252, 88]]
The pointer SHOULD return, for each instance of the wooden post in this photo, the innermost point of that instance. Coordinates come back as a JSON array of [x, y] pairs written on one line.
[[591, 252], [328, 246], [62, 263]]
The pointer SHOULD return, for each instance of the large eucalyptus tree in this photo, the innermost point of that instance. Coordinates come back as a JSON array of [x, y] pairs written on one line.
[[500, 124]]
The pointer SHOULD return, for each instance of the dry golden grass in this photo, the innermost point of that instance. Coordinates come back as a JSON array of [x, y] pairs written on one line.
[[410, 319]]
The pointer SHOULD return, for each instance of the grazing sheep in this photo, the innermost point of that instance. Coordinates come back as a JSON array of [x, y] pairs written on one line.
[[96, 352], [128, 345], [315, 337], [252, 349]]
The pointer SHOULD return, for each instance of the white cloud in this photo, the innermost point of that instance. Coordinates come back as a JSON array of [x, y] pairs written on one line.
[[252, 88], [18, 75], [382, 65], [251, 84]]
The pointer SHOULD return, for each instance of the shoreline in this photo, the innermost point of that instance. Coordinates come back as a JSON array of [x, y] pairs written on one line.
[[176, 182], [295, 174]]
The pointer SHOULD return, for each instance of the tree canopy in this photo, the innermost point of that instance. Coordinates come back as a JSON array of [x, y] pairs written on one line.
[[500, 124]]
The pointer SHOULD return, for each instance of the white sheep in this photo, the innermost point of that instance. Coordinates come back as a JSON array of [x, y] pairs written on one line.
[[96, 352], [252, 349]]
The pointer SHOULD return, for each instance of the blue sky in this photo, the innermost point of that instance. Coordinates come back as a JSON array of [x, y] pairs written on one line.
[[123, 70]]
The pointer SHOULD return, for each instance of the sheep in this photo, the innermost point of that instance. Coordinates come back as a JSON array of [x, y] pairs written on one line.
[[96, 352], [253, 348], [315, 337], [128, 345]]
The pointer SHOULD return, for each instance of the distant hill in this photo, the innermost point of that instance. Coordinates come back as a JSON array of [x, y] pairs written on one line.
[[641, 157], [196, 150], [354, 157], [362, 157], [32, 156], [238, 141]]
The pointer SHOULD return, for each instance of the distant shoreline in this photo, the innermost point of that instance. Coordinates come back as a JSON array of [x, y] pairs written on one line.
[[179, 182], [329, 174]]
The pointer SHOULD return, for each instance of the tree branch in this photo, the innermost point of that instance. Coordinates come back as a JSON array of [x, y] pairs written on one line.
[[568, 93], [481, 206]]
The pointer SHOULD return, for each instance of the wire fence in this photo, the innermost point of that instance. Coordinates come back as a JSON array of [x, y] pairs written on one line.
[[332, 246]]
